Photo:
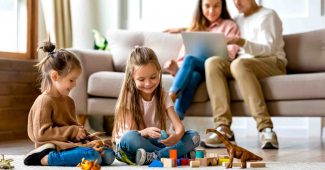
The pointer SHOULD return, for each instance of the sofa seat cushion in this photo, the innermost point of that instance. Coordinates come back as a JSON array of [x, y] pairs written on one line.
[[288, 87], [108, 84]]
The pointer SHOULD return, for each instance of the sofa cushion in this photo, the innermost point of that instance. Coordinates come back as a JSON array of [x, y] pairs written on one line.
[[108, 84], [165, 45], [305, 51], [288, 87], [121, 43]]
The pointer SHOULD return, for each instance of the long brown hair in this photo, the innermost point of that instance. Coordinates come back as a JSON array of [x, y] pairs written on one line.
[[200, 23], [129, 101]]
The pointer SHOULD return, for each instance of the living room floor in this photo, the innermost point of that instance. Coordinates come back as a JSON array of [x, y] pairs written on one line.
[[291, 149]]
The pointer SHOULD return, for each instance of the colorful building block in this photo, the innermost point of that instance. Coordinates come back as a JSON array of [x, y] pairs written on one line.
[[221, 160], [255, 164], [234, 164], [173, 154], [156, 163], [200, 153], [203, 161], [212, 161], [169, 163], [194, 164]]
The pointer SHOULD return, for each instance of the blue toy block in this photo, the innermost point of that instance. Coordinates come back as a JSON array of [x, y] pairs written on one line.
[[163, 134], [156, 163]]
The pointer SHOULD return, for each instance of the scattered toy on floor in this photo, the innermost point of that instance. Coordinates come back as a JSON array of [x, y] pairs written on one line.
[[235, 151], [89, 165], [6, 163]]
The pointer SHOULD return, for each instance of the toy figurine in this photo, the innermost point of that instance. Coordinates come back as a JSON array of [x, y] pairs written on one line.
[[163, 134], [5, 163], [89, 165], [235, 151]]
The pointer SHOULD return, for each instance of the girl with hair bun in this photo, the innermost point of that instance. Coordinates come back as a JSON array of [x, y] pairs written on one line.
[[52, 124]]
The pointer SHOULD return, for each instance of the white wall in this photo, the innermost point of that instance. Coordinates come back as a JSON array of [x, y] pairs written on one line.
[[93, 14]]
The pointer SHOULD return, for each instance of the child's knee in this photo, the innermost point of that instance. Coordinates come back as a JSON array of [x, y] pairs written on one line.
[[130, 136], [92, 154], [108, 156], [195, 137]]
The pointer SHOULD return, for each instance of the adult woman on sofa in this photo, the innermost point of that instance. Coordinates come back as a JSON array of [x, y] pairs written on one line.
[[261, 55], [210, 16]]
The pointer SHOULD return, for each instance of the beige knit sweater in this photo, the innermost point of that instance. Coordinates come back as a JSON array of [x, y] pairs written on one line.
[[53, 120]]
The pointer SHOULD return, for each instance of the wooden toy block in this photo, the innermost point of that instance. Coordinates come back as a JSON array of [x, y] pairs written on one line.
[[212, 161], [169, 163], [203, 161], [221, 160], [173, 154], [234, 164], [212, 155], [255, 164], [195, 164], [224, 156]]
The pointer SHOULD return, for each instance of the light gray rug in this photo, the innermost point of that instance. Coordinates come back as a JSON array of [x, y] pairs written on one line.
[[19, 165]]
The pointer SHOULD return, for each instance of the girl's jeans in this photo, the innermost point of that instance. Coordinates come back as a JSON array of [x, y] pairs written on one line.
[[187, 79], [73, 156], [132, 140]]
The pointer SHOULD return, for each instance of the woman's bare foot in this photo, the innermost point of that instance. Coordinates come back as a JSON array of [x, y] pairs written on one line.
[[171, 67], [173, 96]]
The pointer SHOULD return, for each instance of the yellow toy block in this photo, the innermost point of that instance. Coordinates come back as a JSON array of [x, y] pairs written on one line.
[[221, 160]]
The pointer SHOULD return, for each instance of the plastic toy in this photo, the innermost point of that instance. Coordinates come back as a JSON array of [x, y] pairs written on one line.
[[235, 151], [5, 163], [163, 134], [89, 165]]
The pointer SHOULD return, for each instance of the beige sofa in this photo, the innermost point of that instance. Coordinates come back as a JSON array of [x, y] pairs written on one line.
[[300, 93]]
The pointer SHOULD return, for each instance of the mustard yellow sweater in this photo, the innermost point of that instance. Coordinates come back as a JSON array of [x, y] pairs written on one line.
[[53, 120]]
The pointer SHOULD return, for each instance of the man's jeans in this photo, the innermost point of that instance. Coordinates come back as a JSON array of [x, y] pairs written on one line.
[[187, 79], [73, 156], [132, 140]]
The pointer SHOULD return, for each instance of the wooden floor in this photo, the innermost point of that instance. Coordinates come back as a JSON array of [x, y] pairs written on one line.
[[291, 149]]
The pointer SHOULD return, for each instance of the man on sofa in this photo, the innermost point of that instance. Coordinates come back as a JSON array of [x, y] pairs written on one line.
[[261, 55]]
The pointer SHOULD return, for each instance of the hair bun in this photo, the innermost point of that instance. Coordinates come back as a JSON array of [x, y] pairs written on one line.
[[47, 46]]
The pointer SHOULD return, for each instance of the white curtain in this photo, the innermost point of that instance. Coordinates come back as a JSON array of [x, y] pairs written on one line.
[[57, 16]]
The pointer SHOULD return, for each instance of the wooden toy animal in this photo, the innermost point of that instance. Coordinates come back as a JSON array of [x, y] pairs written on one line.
[[235, 151]]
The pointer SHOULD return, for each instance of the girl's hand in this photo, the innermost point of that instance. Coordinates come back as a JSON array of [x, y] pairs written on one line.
[[81, 133], [151, 132], [171, 140]]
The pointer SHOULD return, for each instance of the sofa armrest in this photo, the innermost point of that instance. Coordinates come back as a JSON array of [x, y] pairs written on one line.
[[91, 61]]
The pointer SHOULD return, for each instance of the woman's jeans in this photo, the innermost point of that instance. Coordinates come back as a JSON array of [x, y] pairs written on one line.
[[132, 140], [187, 79], [73, 156]]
